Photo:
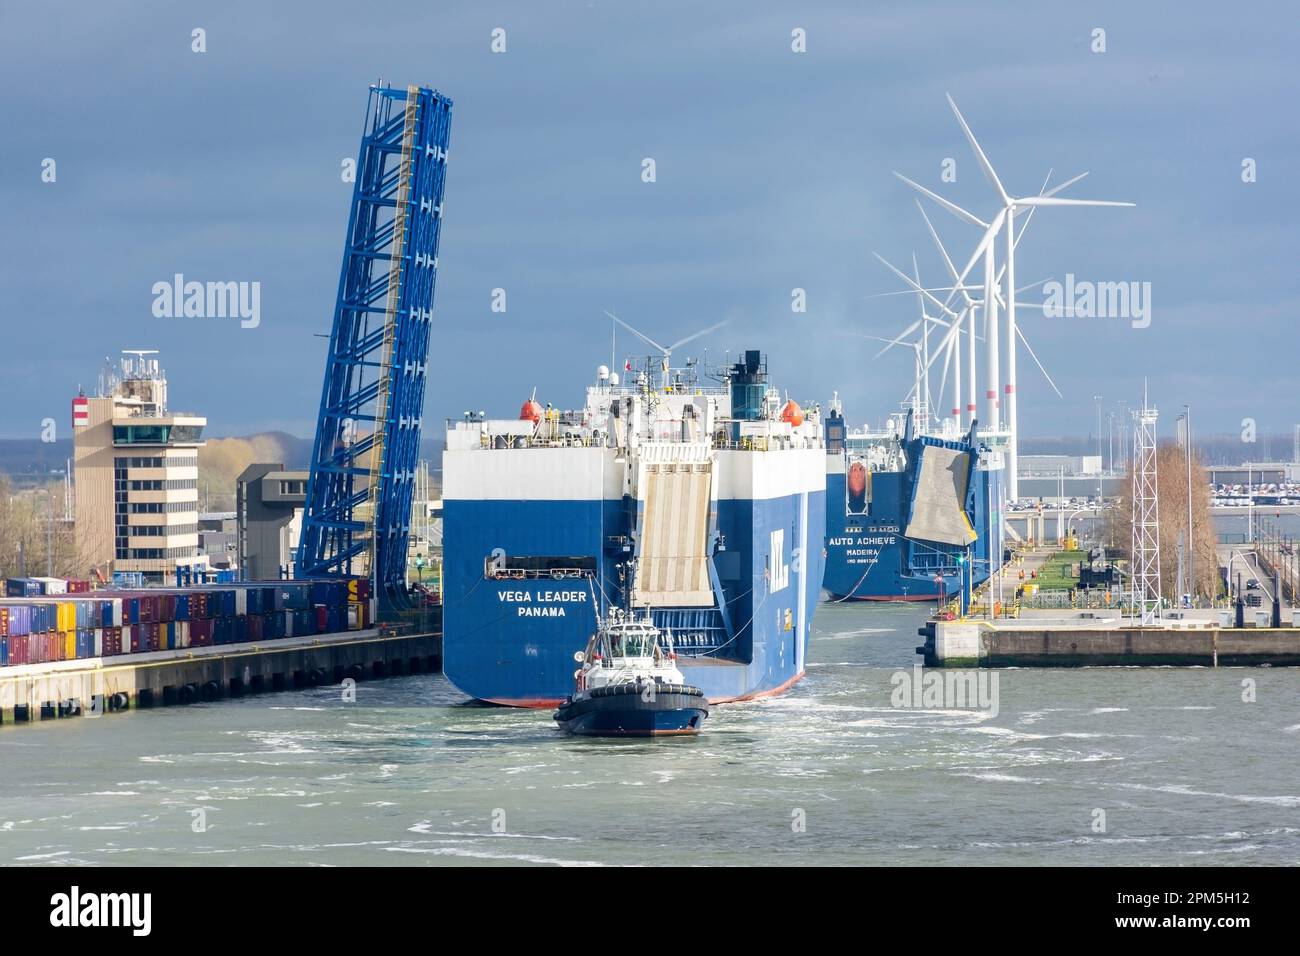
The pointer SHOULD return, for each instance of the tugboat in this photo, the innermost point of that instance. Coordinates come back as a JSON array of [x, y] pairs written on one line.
[[629, 685]]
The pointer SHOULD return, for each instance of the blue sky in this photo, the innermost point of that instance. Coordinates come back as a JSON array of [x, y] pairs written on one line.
[[773, 172]]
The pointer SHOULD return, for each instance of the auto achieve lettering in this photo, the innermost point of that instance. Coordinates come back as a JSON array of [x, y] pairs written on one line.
[[864, 548], [542, 603]]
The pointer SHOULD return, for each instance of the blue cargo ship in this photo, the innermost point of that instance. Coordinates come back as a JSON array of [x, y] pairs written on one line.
[[698, 505], [909, 516]]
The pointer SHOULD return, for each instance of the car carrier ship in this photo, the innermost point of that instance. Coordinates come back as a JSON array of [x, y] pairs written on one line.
[[910, 516], [694, 500]]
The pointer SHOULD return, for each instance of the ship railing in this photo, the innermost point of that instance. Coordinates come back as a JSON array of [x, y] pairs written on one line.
[[572, 440], [754, 443], [530, 574], [766, 443]]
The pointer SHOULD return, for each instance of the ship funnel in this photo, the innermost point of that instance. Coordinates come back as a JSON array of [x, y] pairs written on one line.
[[748, 383]]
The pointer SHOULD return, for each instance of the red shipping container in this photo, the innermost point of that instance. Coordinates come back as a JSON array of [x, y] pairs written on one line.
[[201, 633], [78, 587], [137, 633], [322, 618]]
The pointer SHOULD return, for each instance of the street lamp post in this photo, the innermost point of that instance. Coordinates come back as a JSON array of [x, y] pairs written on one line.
[[1186, 419], [1097, 399], [1110, 439]]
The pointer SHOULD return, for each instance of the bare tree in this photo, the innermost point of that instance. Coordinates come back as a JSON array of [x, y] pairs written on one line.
[[1171, 489]]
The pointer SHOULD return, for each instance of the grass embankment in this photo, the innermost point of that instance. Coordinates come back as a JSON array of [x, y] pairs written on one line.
[[1058, 573]]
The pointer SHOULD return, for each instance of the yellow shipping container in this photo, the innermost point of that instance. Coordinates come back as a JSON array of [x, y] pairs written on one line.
[[65, 616], [69, 646]]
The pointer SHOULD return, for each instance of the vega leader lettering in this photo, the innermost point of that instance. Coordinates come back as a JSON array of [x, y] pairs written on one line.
[[543, 603]]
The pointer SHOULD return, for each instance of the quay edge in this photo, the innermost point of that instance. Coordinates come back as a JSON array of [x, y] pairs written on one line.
[[977, 643], [98, 686]]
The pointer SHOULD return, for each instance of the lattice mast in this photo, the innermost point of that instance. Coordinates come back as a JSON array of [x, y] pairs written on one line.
[[1145, 551], [357, 518]]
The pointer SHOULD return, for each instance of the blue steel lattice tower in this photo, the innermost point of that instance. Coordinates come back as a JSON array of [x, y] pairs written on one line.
[[367, 444]]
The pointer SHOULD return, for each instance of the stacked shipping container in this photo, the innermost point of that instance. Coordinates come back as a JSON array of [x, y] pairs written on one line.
[[73, 624]]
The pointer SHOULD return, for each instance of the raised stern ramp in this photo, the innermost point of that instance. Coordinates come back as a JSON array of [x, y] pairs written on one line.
[[938, 511], [673, 558]]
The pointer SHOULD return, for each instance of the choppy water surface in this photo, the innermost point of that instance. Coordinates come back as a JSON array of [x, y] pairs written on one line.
[[1184, 770]]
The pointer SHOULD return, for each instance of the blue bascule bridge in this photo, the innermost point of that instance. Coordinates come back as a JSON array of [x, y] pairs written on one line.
[[358, 506]]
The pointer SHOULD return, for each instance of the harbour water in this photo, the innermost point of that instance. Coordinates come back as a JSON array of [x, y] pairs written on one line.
[[1184, 771]]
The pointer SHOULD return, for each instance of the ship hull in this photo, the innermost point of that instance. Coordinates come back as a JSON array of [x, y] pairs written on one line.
[[864, 552], [512, 641], [633, 715]]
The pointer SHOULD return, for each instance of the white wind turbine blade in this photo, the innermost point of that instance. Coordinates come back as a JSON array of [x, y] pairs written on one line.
[[638, 333], [1056, 189], [912, 283], [989, 236], [942, 251], [901, 340], [890, 343], [691, 338], [949, 338], [879, 338], [950, 206], [1057, 201], [947, 360], [989, 174], [1032, 354], [916, 285], [933, 288]]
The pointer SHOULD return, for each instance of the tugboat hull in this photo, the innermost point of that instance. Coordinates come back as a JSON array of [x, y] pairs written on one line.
[[624, 711]]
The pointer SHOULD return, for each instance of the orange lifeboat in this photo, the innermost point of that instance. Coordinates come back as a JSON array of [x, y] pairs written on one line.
[[531, 411], [792, 413]]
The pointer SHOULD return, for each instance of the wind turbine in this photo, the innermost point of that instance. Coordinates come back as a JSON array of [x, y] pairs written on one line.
[[951, 340], [924, 324], [971, 304], [1006, 215], [918, 364], [665, 350]]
